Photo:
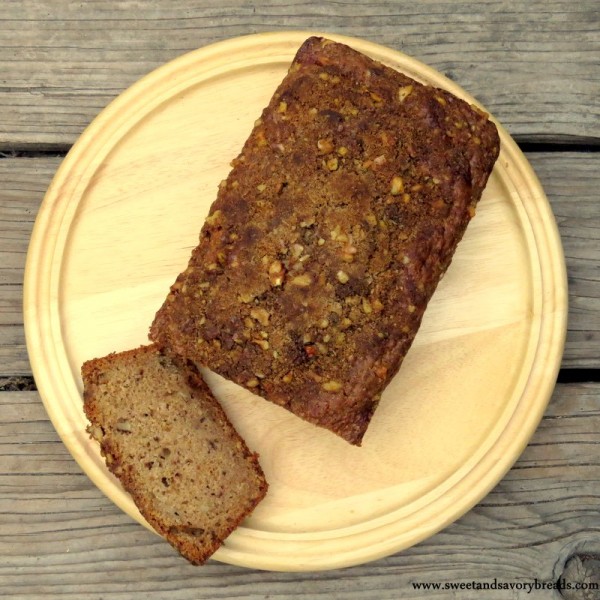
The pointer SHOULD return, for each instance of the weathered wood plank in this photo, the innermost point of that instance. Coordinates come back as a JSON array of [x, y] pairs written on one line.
[[571, 181], [543, 511], [533, 64], [23, 182]]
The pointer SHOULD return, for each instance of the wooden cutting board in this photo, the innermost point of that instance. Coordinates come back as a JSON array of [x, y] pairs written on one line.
[[118, 224]]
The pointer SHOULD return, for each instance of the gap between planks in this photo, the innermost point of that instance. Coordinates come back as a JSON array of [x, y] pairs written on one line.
[[19, 383]]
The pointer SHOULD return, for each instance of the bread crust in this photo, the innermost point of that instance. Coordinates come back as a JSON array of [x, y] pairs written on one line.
[[329, 236]]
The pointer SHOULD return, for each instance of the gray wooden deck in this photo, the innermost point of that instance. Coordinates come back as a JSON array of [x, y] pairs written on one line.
[[535, 65]]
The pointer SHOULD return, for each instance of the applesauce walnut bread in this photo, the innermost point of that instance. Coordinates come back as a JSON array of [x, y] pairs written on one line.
[[168, 441], [329, 236]]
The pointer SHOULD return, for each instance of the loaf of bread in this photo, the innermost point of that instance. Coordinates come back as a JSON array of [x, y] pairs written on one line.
[[329, 236], [166, 438]]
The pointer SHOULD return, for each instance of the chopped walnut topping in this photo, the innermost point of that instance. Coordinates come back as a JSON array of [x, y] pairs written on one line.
[[325, 146], [397, 186], [307, 222], [342, 277], [252, 383], [332, 164], [261, 140], [261, 315], [264, 344], [297, 250], [348, 253], [335, 232], [332, 386], [212, 219], [276, 273], [342, 151], [282, 107], [261, 187], [303, 280], [404, 92]]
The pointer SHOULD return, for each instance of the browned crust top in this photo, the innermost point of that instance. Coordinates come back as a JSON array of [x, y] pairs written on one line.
[[329, 236]]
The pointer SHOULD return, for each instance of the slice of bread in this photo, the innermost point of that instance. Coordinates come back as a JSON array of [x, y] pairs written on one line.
[[169, 442]]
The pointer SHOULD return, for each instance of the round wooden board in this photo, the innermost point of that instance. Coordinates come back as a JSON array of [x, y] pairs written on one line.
[[118, 224]]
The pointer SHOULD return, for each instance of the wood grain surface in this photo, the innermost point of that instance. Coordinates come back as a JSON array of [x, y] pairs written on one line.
[[533, 64], [60, 537], [570, 180], [117, 225]]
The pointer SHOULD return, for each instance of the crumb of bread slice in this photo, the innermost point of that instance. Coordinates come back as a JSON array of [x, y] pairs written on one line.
[[171, 445]]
